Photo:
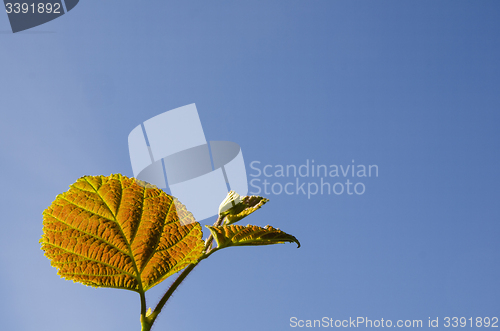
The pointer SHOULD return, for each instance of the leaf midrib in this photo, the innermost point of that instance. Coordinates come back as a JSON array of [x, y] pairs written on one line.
[[159, 237], [138, 276]]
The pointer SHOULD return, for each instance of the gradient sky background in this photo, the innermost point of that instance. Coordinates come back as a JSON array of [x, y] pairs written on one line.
[[411, 86]]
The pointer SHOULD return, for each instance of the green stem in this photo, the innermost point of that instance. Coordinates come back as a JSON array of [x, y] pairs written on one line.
[[169, 293], [143, 303], [145, 326]]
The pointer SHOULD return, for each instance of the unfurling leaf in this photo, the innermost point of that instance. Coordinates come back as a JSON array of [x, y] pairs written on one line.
[[248, 205], [232, 199], [250, 235], [113, 232]]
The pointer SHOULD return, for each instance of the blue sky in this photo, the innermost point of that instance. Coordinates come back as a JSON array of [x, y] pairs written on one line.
[[411, 87]]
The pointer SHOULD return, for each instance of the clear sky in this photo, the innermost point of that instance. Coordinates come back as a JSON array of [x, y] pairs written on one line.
[[409, 86]]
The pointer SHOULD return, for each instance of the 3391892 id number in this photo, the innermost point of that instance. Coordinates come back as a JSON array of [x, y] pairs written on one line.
[[478, 322], [40, 8]]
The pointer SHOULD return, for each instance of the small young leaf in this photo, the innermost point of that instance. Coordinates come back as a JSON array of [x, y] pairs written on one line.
[[248, 205], [113, 232], [250, 235], [232, 199]]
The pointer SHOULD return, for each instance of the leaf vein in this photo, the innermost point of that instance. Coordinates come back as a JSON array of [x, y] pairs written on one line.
[[91, 234], [92, 260]]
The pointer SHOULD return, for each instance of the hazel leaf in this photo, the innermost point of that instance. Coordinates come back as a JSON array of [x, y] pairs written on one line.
[[119, 232], [250, 235]]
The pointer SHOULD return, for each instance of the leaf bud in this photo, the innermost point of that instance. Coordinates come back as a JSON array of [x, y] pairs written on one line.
[[232, 200]]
